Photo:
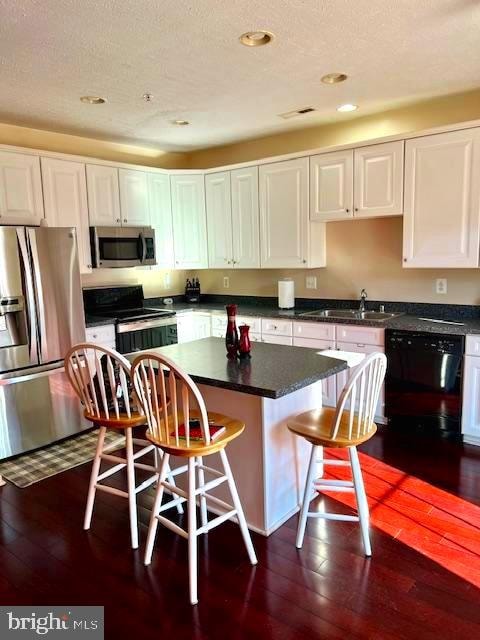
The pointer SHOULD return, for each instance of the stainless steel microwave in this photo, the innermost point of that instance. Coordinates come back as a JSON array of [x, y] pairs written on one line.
[[114, 247]]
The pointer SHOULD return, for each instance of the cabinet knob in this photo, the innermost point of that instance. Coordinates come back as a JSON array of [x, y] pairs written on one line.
[[404, 259], [347, 210], [89, 266], [356, 208], [304, 261], [125, 220], [118, 220]]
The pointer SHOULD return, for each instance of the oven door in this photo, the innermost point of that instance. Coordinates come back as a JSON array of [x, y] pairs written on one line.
[[117, 247], [140, 335]]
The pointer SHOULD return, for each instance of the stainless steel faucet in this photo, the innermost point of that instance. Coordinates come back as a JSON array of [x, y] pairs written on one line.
[[363, 297]]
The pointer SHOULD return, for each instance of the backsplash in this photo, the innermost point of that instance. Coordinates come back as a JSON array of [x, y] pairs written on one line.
[[161, 283]]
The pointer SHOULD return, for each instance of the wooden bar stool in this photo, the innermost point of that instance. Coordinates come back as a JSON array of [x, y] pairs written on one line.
[[178, 430], [350, 424], [101, 379]]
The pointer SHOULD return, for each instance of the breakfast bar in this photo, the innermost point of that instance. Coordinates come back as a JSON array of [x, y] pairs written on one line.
[[269, 464]]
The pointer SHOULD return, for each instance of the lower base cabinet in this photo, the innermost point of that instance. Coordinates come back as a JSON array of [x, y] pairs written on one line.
[[103, 336], [329, 385], [471, 399], [193, 326]]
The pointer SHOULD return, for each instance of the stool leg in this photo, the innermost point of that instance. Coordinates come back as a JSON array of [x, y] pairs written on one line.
[[132, 497], [362, 503], [203, 500], [93, 478], [307, 494], [152, 527], [192, 532], [238, 506], [171, 479]]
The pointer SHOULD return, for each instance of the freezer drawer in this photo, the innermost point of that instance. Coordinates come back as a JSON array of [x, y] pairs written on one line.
[[36, 410]]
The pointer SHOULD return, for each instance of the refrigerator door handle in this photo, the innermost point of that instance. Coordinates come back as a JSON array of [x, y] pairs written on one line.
[[32, 319], [42, 336]]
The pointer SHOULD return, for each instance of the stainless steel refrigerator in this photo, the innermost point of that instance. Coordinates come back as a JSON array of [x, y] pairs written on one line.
[[41, 317]]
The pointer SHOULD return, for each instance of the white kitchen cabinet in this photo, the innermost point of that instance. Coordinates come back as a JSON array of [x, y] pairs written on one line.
[[134, 198], [378, 180], [65, 194], [287, 237], [219, 220], [193, 325], [21, 199], [161, 218], [442, 200], [471, 399], [245, 218], [189, 221], [103, 196], [104, 336], [329, 385], [343, 376], [331, 186]]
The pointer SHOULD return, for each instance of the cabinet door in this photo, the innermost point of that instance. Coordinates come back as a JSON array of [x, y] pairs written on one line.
[[378, 183], [442, 200], [20, 189], [219, 220], [189, 222], [343, 376], [65, 193], [471, 397], [202, 325], [245, 218], [329, 385], [331, 186], [161, 218], [103, 196], [284, 213], [134, 198]]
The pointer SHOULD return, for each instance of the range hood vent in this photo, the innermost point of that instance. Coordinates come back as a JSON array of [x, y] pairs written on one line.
[[295, 114]]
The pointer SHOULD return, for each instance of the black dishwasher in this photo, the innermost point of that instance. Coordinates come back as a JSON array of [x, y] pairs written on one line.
[[423, 385]]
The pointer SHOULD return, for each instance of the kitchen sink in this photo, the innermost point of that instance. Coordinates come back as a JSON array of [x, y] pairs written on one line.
[[352, 314]]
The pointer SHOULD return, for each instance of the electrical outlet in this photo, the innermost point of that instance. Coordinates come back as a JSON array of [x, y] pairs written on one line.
[[226, 282], [167, 280], [311, 282], [441, 285]]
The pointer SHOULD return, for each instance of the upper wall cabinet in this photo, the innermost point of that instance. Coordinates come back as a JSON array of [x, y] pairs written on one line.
[[65, 193], [287, 237], [103, 196], [20, 189], [378, 181], [134, 198], [219, 220], [161, 218], [189, 221], [442, 200], [233, 219], [331, 186], [361, 183], [245, 218]]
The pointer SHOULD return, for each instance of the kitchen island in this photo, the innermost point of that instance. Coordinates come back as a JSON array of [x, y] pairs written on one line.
[[268, 462]]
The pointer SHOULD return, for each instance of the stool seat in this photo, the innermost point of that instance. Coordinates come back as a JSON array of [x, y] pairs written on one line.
[[233, 428], [316, 427], [122, 422]]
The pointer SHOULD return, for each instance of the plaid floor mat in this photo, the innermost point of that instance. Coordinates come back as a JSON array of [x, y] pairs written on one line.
[[47, 462]]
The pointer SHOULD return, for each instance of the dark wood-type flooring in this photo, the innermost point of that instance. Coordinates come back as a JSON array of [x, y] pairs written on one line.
[[326, 590]]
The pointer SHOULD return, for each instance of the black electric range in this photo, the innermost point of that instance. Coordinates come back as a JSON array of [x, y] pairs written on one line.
[[137, 327]]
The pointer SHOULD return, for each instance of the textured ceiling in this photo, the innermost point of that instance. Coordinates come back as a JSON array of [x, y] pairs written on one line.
[[188, 56]]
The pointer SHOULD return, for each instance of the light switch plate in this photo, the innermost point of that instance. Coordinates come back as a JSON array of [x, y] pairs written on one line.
[[441, 285], [226, 282], [311, 282]]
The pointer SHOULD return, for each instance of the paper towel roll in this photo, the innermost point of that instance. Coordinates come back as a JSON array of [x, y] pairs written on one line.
[[286, 294]]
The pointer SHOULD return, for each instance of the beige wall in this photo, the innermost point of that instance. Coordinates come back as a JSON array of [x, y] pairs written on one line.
[[424, 115], [360, 254], [90, 147]]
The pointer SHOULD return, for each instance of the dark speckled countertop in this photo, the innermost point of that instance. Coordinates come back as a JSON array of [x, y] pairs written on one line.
[[273, 371]]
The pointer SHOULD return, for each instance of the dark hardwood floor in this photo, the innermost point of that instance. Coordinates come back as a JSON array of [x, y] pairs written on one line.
[[408, 589]]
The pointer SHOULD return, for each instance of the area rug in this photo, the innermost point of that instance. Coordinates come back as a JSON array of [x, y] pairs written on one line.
[[44, 463]]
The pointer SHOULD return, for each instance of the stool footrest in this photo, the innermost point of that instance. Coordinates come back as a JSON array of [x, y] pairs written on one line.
[[216, 521], [172, 526]]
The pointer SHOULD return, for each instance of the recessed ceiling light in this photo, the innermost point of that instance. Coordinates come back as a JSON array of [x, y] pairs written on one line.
[[334, 78], [92, 100], [256, 38], [345, 108], [180, 123]]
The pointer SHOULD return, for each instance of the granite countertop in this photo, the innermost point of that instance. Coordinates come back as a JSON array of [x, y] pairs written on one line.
[[406, 322], [273, 371]]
